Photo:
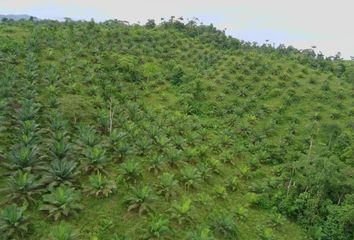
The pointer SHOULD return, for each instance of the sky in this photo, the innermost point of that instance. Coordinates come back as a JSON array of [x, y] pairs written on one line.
[[326, 24]]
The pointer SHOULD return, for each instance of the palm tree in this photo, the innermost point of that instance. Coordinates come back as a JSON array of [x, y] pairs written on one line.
[[60, 172], [63, 232], [232, 184], [168, 185], [190, 176], [24, 158], [28, 132], [205, 171], [59, 149], [100, 186], [61, 202], [140, 199], [87, 136], [182, 211], [143, 144], [157, 228], [95, 159], [156, 163], [28, 110], [21, 187], [131, 170], [224, 224], [13, 222], [203, 233]]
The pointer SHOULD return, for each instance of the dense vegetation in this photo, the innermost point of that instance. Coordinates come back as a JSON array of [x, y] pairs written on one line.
[[171, 131]]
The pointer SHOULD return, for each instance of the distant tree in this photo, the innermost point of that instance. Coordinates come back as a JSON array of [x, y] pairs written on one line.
[[150, 24]]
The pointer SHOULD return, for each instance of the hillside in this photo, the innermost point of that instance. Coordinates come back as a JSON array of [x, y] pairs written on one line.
[[171, 131]]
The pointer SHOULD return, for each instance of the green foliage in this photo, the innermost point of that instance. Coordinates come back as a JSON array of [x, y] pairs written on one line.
[[131, 170], [167, 186], [140, 199], [100, 186], [63, 232], [190, 176], [225, 225], [24, 158], [210, 122], [157, 228], [14, 223], [60, 172], [61, 202], [202, 234], [182, 211], [21, 187], [94, 159]]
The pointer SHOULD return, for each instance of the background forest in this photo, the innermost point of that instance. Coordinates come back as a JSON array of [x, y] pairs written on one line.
[[171, 131]]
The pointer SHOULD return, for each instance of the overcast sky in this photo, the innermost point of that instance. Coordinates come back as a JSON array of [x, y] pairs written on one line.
[[327, 24]]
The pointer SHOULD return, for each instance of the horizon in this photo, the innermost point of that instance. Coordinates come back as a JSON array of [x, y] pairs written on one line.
[[243, 20]]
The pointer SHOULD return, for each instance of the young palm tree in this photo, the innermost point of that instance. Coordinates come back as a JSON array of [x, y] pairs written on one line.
[[190, 176], [140, 199], [60, 172], [59, 149], [232, 184], [182, 211], [143, 145], [157, 228], [168, 185], [28, 133], [24, 158], [28, 110], [14, 223], [100, 186], [95, 159], [173, 156], [21, 187], [122, 150], [205, 171], [117, 136], [202, 234], [63, 232], [131, 170], [156, 163], [87, 136], [224, 224], [220, 192], [61, 202]]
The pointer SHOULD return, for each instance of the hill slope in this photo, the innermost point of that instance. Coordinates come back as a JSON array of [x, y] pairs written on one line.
[[174, 131]]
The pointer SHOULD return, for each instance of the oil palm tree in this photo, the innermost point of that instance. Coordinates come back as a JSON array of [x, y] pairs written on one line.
[[95, 159], [61, 202], [100, 186], [157, 228], [60, 172], [140, 199], [63, 232], [167, 185], [24, 158], [190, 176], [130, 170], [14, 224], [181, 212], [21, 187]]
